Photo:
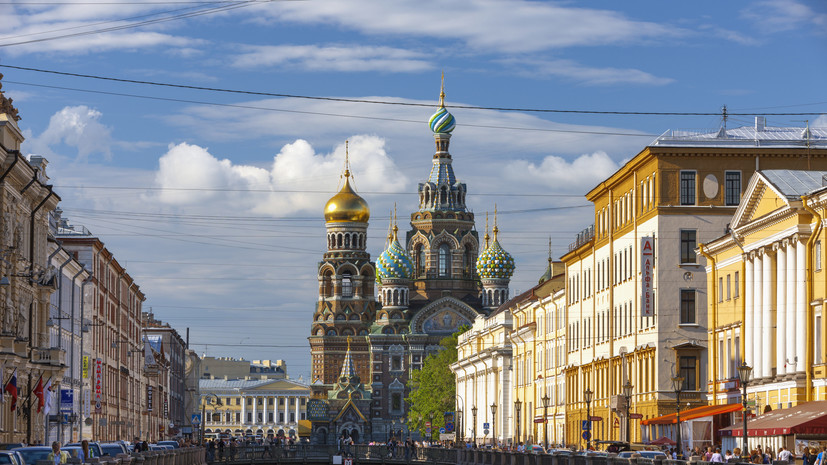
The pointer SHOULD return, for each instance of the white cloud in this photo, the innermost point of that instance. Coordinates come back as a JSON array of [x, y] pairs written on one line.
[[296, 171], [784, 15], [587, 75], [820, 122], [560, 175], [77, 127], [488, 25], [344, 58]]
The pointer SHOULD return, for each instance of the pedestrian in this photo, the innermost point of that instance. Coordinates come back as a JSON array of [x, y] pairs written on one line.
[[84, 451], [57, 456], [716, 456], [784, 454]]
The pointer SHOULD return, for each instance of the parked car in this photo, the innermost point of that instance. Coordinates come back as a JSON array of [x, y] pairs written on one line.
[[156, 447], [646, 454], [94, 448], [11, 457], [112, 449], [174, 444], [536, 449], [32, 454], [10, 446]]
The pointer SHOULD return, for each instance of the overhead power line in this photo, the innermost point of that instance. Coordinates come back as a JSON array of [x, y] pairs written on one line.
[[387, 102]]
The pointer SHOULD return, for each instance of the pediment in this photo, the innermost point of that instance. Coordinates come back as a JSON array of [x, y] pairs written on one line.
[[760, 199], [278, 385]]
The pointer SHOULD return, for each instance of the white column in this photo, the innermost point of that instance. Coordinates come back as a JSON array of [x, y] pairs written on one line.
[[749, 317], [243, 410], [758, 314], [800, 305], [789, 350], [767, 330], [275, 411], [255, 410], [298, 412], [781, 307]]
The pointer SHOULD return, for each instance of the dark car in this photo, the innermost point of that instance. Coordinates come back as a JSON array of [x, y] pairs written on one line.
[[112, 449], [11, 445], [94, 448], [174, 444], [32, 454]]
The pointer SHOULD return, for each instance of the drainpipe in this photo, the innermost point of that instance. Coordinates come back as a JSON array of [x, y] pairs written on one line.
[[808, 354], [13, 162], [713, 325]]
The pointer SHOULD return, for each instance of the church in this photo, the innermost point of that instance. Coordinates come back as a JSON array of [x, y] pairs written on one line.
[[376, 322]]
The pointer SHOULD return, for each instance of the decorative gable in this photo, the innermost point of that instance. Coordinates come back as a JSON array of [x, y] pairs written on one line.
[[760, 199]]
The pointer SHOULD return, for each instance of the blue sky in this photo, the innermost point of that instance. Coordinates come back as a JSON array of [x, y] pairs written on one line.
[[217, 211]]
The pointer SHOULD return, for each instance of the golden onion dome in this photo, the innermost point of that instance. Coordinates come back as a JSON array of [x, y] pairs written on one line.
[[346, 206]]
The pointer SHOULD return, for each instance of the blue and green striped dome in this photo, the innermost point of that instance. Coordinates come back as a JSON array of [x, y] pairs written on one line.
[[442, 122], [394, 263], [494, 262]]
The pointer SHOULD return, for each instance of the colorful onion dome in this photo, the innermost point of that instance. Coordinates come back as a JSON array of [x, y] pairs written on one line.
[[394, 262], [495, 263], [442, 122]]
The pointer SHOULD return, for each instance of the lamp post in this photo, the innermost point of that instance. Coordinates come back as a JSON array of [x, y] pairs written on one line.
[[474, 414], [744, 373], [545, 400], [627, 393], [587, 396], [677, 384], [493, 424], [517, 406], [204, 399], [460, 418]]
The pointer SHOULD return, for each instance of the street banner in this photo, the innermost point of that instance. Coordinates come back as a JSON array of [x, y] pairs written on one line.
[[85, 367], [647, 264], [98, 381], [148, 398], [67, 400]]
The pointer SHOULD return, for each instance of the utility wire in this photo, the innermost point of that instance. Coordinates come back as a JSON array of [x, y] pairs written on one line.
[[386, 102], [316, 113]]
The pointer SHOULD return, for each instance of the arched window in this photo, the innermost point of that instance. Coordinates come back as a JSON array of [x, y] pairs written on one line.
[[419, 257], [347, 285], [444, 261], [468, 261]]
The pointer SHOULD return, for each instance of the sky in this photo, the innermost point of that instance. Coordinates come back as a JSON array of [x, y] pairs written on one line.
[[213, 200]]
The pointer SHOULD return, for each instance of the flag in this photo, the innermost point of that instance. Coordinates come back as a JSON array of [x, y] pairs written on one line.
[[11, 388], [47, 394], [38, 392]]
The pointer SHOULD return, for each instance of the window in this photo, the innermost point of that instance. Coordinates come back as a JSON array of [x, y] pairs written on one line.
[[687, 188], [270, 417], [688, 306], [721, 289], [818, 355], [737, 288], [281, 417], [249, 417], [688, 243], [396, 362], [818, 255], [444, 261], [689, 371], [347, 285], [732, 188], [728, 286]]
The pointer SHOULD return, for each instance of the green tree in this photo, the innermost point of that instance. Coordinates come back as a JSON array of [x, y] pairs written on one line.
[[433, 388]]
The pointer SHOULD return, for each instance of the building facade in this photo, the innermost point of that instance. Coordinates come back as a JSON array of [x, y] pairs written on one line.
[[166, 340], [680, 191], [766, 282], [428, 283], [27, 355]]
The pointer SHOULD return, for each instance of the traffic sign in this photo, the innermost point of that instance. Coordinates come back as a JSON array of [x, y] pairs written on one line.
[[449, 427], [587, 435], [486, 426], [442, 431], [428, 424], [428, 431], [595, 418], [587, 425], [636, 416], [196, 419], [485, 431]]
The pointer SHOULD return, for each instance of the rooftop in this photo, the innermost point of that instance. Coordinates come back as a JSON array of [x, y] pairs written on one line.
[[757, 135], [795, 183]]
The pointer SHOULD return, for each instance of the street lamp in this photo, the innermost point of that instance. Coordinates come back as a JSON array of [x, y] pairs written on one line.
[[677, 384], [744, 373], [517, 406], [204, 399], [545, 400], [474, 414], [493, 424], [627, 393], [587, 396]]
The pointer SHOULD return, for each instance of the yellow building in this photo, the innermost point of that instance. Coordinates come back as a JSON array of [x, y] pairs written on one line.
[[767, 287], [640, 319], [253, 407]]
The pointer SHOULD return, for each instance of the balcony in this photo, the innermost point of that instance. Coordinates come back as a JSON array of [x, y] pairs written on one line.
[[49, 356]]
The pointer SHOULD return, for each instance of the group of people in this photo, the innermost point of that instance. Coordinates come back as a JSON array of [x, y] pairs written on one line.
[[227, 449], [57, 456], [758, 455]]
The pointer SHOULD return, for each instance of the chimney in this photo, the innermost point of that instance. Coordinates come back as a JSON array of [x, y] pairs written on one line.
[[760, 123]]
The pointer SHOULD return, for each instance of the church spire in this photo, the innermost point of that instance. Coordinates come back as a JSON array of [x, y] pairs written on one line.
[[348, 370], [487, 237]]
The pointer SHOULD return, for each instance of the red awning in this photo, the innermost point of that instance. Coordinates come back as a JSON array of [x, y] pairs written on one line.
[[807, 418], [693, 413]]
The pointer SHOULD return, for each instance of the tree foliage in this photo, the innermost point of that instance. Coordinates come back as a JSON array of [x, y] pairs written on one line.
[[433, 388]]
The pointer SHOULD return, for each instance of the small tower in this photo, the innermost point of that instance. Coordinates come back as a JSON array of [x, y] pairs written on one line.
[[495, 267], [394, 270]]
